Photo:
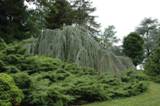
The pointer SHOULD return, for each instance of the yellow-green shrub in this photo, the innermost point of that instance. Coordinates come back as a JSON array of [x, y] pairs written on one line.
[[10, 94]]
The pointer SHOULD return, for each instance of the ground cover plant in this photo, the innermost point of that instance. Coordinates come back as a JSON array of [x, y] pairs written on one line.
[[47, 81]]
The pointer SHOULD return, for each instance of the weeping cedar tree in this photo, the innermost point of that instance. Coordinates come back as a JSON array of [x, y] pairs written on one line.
[[13, 20], [133, 47]]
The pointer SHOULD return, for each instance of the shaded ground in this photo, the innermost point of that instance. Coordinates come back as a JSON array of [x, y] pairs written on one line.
[[149, 98]]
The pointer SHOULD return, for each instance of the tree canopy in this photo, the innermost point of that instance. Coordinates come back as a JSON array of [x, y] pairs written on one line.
[[150, 32], [152, 66], [133, 47], [108, 38], [14, 20], [64, 12]]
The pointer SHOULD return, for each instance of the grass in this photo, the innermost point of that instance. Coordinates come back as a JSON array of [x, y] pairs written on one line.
[[150, 98]]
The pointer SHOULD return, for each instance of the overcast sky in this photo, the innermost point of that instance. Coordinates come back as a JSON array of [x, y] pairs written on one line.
[[125, 15]]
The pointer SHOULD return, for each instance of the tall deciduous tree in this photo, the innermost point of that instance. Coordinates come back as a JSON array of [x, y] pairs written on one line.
[[133, 47], [149, 30]]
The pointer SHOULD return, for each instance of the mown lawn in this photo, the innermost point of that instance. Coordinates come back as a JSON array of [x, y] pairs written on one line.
[[150, 98]]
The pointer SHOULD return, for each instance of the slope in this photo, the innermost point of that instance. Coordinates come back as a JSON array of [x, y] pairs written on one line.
[[149, 98]]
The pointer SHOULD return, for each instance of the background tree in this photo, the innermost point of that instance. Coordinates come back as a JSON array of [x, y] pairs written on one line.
[[60, 13], [133, 47], [69, 12], [14, 20], [109, 37], [83, 10], [117, 50], [149, 30], [152, 65]]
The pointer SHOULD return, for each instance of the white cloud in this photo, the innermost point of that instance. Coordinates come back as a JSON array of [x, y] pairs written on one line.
[[125, 15]]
